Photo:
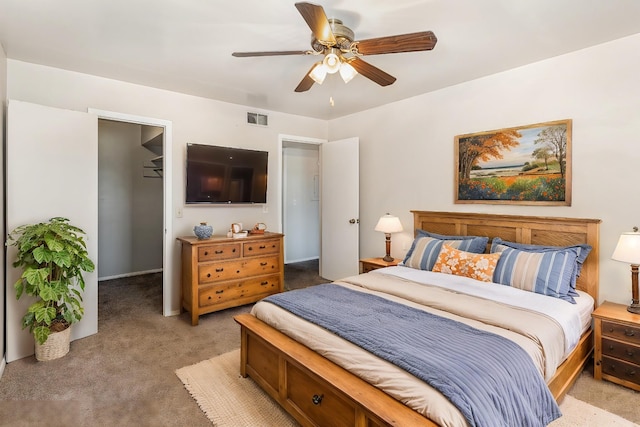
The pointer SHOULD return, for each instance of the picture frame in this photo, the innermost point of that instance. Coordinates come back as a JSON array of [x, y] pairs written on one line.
[[523, 165]]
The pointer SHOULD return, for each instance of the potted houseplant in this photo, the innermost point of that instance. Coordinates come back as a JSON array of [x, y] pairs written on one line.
[[53, 256]]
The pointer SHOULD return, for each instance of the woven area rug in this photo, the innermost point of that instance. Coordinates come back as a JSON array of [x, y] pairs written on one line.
[[222, 394]]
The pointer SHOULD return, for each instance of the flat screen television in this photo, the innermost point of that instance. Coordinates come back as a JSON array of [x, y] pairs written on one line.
[[225, 175]]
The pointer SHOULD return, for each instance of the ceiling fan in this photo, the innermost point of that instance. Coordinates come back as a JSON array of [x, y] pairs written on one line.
[[342, 53]]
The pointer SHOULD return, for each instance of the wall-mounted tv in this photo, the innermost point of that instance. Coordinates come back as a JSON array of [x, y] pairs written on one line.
[[225, 175]]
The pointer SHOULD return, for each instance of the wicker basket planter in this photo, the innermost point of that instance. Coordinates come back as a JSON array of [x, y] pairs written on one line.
[[56, 346]]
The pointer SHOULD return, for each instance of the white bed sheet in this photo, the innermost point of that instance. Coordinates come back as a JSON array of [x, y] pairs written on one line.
[[575, 319]]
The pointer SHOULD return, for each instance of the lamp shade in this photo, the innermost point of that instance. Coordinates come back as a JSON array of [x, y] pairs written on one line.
[[628, 249], [389, 224], [347, 72], [318, 73]]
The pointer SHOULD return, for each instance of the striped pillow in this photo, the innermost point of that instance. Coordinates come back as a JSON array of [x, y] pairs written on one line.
[[581, 250], [426, 247], [547, 273]]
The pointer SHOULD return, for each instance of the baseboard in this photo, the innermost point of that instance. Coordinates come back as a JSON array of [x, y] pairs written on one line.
[[3, 363], [301, 260], [135, 273]]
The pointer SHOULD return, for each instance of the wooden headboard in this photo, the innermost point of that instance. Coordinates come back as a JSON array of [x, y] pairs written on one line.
[[536, 230]]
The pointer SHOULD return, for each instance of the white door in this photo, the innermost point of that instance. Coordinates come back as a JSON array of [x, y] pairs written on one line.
[[52, 170], [340, 200]]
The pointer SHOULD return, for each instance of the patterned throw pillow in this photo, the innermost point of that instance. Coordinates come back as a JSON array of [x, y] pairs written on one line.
[[461, 263]]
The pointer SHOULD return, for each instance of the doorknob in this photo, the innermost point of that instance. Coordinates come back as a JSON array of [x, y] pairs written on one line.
[[353, 221]]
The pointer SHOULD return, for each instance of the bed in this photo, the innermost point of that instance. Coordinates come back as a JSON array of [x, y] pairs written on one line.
[[318, 388]]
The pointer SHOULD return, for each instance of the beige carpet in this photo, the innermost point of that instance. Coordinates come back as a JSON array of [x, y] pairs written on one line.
[[229, 400]]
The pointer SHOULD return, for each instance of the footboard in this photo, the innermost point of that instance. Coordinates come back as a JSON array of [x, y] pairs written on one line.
[[315, 391]]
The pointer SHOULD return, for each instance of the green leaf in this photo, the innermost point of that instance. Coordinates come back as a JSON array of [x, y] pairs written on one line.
[[54, 244], [41, 333], [62, 258], [42, 255], [19, 287], [48, 293], [87, 265], [45, 315], [28, 320], [35, 276]]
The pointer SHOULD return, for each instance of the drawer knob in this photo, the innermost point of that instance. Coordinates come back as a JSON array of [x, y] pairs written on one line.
[[208, 274], [264, 283], [263, 263], [630, 353], [219, 252], [206, 253], [219, 270], [219, 292], [263, 247], [629, 332], [250, 248], [631, 373], [317, 399], [610, 347]]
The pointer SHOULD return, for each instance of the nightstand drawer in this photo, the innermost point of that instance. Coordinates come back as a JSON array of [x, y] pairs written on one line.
[[622, 332], [621, 350], [619, 369]]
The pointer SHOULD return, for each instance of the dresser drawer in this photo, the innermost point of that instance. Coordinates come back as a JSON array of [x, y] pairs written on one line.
[[621, 350], [630, 334], [217, 294], [208, 273], [317, 401], [261, 248], [622, 370], [218, 252]]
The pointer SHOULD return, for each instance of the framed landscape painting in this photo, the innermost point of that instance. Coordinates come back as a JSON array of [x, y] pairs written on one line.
[[526, 165]]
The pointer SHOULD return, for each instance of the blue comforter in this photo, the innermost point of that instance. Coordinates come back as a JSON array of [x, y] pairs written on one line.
[[490, 379]]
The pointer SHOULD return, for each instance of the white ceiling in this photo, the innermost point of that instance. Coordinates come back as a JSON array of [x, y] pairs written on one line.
[[186, 45]]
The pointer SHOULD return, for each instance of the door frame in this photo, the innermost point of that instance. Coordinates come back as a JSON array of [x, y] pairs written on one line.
[[167, 173], [280, 175]]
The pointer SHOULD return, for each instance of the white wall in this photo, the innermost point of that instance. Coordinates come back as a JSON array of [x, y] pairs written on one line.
[[147, 210], [194, 119], [301, 202], [3, 112], [130, 207], [116, 142], [406, 148]]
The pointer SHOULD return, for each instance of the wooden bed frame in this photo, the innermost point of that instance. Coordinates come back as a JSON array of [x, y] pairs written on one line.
[[317, 392]]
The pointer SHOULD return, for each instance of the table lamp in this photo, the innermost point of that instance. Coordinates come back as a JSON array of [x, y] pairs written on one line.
[[388, 224], [628, 250]]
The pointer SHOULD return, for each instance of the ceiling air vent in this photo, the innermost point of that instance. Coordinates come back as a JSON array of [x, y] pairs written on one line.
[[257, 119]]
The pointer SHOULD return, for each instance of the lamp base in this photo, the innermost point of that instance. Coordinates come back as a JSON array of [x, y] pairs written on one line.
[[387, 258], [634, 308]]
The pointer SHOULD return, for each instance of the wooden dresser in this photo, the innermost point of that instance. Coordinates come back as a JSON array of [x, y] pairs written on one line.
[[617, 345], [221, 272]]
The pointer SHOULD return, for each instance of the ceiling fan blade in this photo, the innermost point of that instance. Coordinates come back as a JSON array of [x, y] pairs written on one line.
[[412, 42], [317, 20], [275, 53], [372, 73], [306, 83]]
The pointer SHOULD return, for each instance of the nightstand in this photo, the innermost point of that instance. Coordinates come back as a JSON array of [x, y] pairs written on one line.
[[617, 345], [369, 264]]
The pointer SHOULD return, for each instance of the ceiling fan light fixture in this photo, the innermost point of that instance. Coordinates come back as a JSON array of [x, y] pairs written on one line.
[[347, 72], [318, 73], [332, 61]]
